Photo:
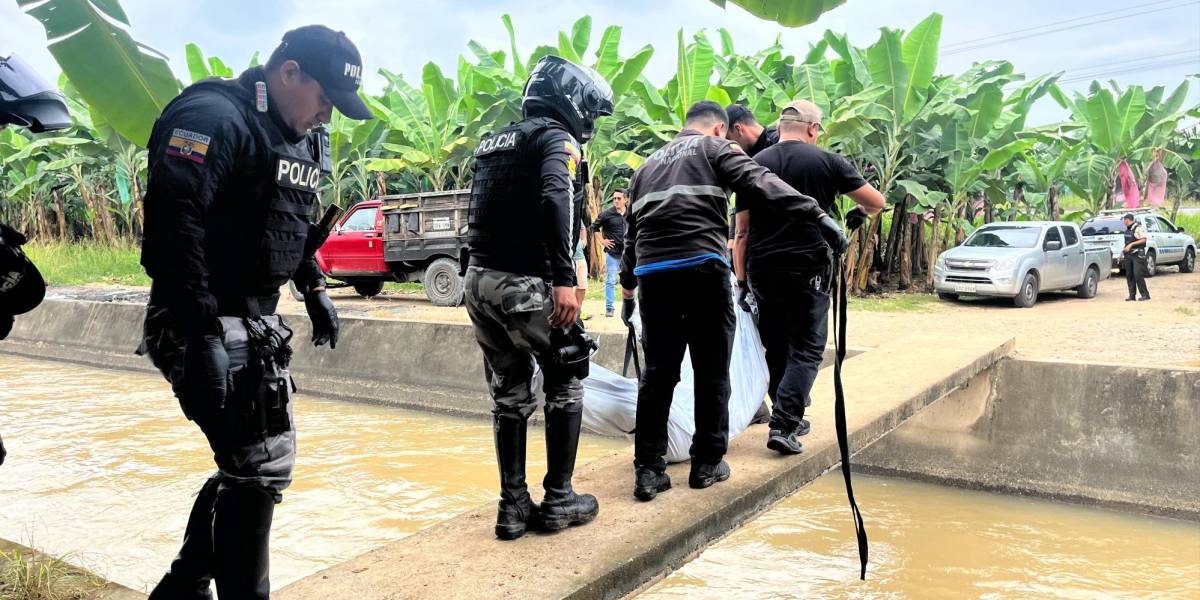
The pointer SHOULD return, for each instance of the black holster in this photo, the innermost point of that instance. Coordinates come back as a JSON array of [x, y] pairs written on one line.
[[256, 405]]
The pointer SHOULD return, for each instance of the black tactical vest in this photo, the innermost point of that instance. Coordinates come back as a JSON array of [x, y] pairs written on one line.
[[259, 218], [506, 194]]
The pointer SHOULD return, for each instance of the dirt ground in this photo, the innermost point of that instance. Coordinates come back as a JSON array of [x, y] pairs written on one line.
[[1162, 332]]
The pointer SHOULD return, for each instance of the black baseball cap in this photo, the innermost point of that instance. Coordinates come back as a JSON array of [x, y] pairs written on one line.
[[21, 285], [331, 58], [738, 113]]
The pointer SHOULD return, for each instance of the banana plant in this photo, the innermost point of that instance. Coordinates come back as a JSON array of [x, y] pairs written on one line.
[[789, 13], [121, 78]]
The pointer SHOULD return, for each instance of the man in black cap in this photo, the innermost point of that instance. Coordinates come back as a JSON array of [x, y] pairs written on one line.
[[26, 100], [234, 167], [747, 132], [1133, 259]]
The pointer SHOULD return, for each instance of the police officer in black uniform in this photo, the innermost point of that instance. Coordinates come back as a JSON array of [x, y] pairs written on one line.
[[26, 100], [234, 167], [520, 285]]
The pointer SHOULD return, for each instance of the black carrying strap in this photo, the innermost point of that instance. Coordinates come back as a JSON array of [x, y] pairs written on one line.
[[839, 405], [631, 354]]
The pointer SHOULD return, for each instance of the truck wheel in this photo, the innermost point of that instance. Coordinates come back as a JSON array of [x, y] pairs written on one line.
[[366, 289], [443, 286], [1189, 261], [1087, 289], [1151, 263], [947, 296], [1029, 292]]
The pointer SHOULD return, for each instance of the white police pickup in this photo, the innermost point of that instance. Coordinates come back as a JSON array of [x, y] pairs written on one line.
[[1166, 244], [1020, 259]]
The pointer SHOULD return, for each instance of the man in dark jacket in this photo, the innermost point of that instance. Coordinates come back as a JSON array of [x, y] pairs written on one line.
[[789, 265], [611, 226], [747, 132], [675, 251]]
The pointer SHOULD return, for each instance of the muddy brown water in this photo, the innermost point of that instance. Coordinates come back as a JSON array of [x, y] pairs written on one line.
[[102, 467], [931, 541]]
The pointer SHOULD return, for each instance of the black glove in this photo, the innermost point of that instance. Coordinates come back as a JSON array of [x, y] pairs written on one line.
[[855, 218], [833, 234], [2, 452], [742, 299], [6, 325], [628, 305], [323, 317], [205, 371]]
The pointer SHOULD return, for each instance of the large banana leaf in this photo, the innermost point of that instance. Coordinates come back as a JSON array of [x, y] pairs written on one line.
[[888, 68], [693, 71], [920, 52], [1104, 122], [518, 66], [581, 35], [985, 108], [608, 62], [631, 70], [789, 13], [120, 78], [1130, 110]]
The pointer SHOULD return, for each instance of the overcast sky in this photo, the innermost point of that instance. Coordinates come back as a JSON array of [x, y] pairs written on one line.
[[403, 35]]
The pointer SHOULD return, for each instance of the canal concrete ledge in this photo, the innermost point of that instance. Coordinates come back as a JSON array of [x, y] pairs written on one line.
[[429, 366], [632, 544], [1106, 435]]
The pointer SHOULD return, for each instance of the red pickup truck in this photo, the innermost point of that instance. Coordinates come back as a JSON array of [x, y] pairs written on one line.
[[409, 237]]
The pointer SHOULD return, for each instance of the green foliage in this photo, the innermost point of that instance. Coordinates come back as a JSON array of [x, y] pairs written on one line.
[[83, 263]]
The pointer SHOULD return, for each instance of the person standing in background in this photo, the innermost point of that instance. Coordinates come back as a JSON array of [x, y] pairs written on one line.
[[611, 226]]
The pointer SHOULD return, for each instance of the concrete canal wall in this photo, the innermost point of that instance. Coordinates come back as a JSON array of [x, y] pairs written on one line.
[[420, 365], [1098, 434]]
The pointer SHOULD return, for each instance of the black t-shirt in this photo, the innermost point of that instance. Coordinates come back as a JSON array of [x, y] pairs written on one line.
[[611, 224], [778, 243], [768, 138]]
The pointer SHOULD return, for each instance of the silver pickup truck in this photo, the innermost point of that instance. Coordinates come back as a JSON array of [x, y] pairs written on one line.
[[1166, 243], [1020, 259]]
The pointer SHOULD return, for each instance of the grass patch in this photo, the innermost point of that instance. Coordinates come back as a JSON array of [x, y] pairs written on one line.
[[1190, 223], [34, 576], [893, 303], [1187, 311], [407, 287], [83, 263]]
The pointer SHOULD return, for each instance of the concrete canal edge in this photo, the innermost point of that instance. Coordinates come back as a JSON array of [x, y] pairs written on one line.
[[1105, 435], [631, 544], [433, 367]]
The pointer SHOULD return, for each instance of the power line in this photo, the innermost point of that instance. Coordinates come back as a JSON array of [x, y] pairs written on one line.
[[962, 49], [1195, 53], [1056, 23], [1146, 67]]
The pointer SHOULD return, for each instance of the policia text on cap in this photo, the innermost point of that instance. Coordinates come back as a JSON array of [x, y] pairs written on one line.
[[233, 174], [675, 239]]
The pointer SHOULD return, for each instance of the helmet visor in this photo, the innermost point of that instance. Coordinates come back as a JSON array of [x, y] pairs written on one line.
[[19, 80]]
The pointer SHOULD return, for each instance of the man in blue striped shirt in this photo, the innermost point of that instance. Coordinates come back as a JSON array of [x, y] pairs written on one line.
[[675, 249]]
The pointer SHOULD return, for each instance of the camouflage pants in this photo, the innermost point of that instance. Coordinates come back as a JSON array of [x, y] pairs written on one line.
[[266, 463], [511, 315]]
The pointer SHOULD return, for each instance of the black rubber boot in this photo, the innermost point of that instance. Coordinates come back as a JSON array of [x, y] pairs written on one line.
[[241, 542], [561, 506], [191, 573], [517, 512]]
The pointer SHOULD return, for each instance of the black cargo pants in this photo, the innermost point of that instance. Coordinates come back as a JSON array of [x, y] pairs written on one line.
[[793, 323], [687, 309], [1134, 265]]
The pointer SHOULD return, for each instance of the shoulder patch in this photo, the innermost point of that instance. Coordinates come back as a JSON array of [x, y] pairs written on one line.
[[188, 144], [736, 147], [503, 141], [573, 158]]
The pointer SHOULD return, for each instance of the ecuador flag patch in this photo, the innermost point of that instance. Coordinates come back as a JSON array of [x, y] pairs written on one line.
[[188, 144]]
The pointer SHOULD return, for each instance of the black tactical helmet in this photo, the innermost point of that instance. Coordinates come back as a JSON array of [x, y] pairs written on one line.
[[27, 100], [568, 93]]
